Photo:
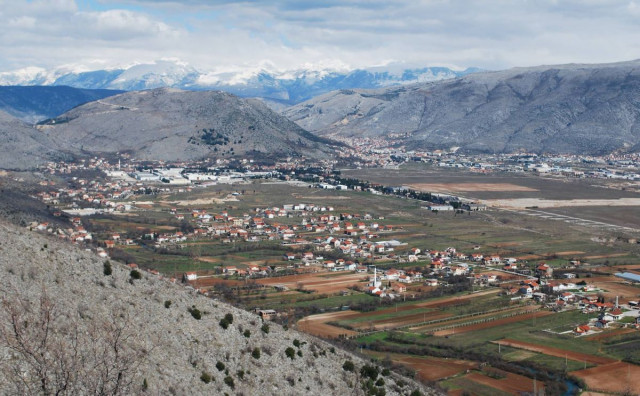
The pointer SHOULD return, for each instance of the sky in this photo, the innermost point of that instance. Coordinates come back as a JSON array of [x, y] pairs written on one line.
[[339, 34]]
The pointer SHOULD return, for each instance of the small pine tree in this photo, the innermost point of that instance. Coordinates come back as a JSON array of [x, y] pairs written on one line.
[[106, 268], [135, 274], [290, 352], [348, 366], [206, 377]]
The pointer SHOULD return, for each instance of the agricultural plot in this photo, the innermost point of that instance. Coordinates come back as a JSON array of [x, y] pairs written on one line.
[[466, 322], [322, 283], [617, 377], [557, 352], [506, 382], [430, 368]]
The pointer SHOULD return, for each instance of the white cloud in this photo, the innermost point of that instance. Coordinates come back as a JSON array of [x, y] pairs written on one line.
[[223, 35]]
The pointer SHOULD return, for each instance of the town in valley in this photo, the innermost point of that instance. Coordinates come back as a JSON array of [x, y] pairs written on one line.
[[466, 271]]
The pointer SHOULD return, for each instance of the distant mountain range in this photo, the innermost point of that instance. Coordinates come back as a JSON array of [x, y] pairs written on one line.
[[583, 109], [286, 87], [33, 103], [170, 124]]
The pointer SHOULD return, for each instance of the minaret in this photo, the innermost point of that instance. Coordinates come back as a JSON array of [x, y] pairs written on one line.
[[375, 281]]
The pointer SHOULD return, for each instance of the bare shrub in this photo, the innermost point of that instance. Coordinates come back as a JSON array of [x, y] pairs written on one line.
[[54, 353]]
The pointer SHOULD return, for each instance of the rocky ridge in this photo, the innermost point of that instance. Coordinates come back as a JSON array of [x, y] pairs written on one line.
[[172, 125], [580, 109], [24, 147]]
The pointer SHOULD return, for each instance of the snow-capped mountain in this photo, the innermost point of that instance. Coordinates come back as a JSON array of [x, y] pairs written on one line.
[[287, 87]]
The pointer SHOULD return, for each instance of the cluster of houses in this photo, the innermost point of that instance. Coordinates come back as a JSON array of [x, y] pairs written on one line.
[[608, 315]]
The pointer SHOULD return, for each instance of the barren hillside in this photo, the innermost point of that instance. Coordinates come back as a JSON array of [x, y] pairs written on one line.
[[67, 327], [169, 124], [580, 109]]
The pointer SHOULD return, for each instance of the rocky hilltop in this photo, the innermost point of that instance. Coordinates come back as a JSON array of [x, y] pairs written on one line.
[[170, 124], [589, 109], [71, 323], [23, 147]]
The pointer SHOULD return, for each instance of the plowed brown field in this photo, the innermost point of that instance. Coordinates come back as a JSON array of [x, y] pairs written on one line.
[[511, 383], [614, 377]]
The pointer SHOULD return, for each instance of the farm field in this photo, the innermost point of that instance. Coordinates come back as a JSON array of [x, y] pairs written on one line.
[[492, 323], [318, 282], [613, 377], [390, 318], [557, 352], [443, 338], [499, 185], [522, 186], [510, 383], [430, 368]]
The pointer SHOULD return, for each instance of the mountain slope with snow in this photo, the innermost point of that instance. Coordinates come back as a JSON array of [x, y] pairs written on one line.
[[288, 87]]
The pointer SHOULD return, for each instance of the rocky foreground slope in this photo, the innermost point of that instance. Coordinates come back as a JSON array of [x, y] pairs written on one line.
[[66, 326], [582, 109], [170, 124]]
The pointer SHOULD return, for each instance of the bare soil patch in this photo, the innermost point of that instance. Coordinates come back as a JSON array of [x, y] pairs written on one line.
[[615, 286], [214, 260], [601, 256], [205, 283], [469, 187], [580, 357], [569, 253], [614, 377], [431, 368], [511, 383], [316, 282], [318, 326]]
